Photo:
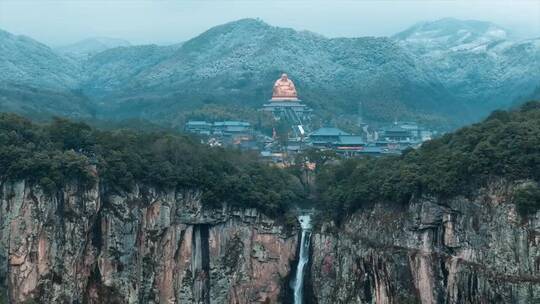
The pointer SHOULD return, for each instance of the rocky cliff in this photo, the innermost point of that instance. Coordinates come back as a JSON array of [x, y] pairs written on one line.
[[146, 246], [461, 250], [82, 246]]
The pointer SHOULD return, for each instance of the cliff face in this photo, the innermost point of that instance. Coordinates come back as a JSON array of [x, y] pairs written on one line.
[[154, 247], [141, 247], [458, 251]]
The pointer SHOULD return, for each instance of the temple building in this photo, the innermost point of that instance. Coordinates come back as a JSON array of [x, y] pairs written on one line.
[[198, 127], [326, 137], [229, 133], [396, 134], [338, 140], [285, 105]]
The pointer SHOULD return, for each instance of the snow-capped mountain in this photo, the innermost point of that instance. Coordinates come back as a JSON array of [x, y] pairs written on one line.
[[88, 47], [482, 63], [236, 63], [444, 70]]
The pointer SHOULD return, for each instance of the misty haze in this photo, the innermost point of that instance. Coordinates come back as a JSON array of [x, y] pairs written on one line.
[[269, 152]]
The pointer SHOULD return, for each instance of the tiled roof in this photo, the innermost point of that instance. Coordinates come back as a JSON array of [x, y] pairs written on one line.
[[236, 128], [197, 123], [350, 140], [231, 123], [395, 129], [328, 132]]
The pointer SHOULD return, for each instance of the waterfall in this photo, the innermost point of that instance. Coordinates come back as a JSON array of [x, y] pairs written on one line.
[[305, 223]]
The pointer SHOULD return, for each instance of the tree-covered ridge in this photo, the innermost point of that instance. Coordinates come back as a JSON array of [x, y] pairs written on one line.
[[506, 144], [54, 154]]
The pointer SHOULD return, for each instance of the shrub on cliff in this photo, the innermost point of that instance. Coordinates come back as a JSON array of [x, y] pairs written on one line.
[[527, 199], [506, 144]]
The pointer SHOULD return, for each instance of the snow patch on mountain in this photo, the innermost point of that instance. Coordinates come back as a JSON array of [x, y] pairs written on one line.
[[452, 34], [480, 61]]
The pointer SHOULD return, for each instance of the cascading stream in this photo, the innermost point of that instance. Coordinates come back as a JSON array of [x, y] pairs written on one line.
[[305, 223]]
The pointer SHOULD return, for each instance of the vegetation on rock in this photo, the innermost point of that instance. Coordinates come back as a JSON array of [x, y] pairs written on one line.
[[527, 198], [505, 145], [54, 154]]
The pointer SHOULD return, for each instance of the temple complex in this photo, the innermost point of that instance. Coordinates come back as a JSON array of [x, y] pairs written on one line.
[[288, 110]]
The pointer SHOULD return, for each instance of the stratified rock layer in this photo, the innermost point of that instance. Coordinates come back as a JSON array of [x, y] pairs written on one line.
[[85, 246], [140, 247], [457, 251]]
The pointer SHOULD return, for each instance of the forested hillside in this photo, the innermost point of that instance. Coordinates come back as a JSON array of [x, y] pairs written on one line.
[[505, 145], [63, 152]]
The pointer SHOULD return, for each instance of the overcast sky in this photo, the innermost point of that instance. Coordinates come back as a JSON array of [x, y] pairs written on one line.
[[63, 22]]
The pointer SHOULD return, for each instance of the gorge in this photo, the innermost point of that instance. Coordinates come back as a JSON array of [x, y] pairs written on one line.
[[92, 216], [269, 152], [149, 247]]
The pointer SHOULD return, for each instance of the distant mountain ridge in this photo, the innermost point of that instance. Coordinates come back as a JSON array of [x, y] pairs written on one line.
[[88, 47], [26, 61], [447, 70], [236, 63], [481, 61], [35, 80]]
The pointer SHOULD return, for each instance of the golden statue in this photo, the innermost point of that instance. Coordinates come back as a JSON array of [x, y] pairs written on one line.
[[284, 89]]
